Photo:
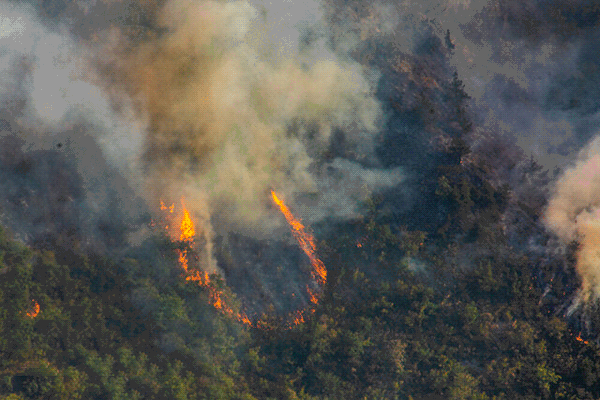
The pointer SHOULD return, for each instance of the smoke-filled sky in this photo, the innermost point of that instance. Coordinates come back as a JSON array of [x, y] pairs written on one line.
[[218, 102], [212, 102]]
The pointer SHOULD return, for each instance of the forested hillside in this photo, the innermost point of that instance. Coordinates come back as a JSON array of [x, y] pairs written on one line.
[[400, 317], [383, 329], [200, 201]]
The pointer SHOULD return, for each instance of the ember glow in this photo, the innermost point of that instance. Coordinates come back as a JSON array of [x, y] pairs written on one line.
[[163, 207], [34, 310]]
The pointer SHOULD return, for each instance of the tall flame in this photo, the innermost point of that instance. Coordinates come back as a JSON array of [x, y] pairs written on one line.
[[187, 235], [186, 227]]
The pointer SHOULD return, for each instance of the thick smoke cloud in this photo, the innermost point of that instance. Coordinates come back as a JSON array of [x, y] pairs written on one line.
[[220, 110], [240, 98], [573, 214], [215, 103]]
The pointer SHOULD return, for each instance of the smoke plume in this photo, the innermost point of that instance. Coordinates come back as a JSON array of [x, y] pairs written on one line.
[[240, 98], [210, 102], [218, 102], [573, 213]]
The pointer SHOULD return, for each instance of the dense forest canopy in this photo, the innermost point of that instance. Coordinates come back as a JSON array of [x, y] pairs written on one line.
[[299, 200]]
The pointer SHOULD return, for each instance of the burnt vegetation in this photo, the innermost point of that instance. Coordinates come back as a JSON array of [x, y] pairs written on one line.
[[439, 298]]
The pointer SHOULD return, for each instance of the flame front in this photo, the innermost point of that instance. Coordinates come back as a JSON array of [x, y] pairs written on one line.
[[307, 243], [305, 240], [187, 233], [579, 339], [186, 227]]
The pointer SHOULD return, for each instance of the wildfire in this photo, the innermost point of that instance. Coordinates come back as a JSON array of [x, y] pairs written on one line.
[[187, 233], [163, 207], [307, 243], [305, 240], [34, 310], [202, 278], [313, 297], [298, 317], [187, 236], [579, 339]]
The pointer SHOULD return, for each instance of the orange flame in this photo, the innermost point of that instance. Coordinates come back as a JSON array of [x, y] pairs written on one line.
[[186, 227], [307, 243], [171, 208], [299, 318], [187, 233], [35, 309], [580, 339], [313, 297], [305, 240]]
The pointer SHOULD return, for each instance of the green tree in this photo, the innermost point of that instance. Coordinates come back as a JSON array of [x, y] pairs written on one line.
[[16, 328]]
